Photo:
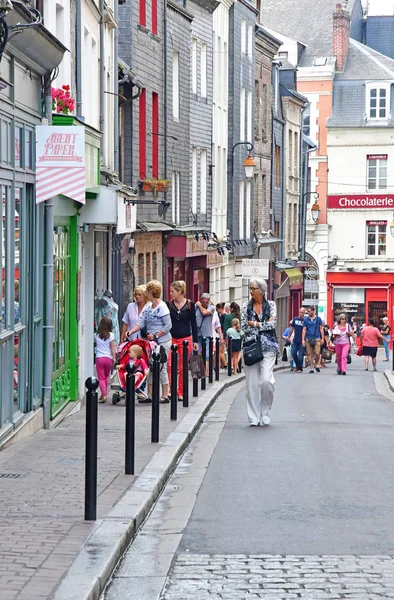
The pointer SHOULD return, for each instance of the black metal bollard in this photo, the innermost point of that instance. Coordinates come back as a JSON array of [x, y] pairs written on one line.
[[130, 421], [186, 373], [210, 359], [204, 357], [155, 398], [91, 449], [217, 359], [229, 348], [195, 382], [174, 382]]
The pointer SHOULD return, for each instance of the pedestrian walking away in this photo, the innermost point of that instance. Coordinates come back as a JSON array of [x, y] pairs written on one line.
[[105, 354], [258, 319], [184, 327], [341, 334], [204, 316], [235, 333], [287, 335], [222, 316], [297, 348], [370, 336], [312, 336], [385, 331], [156, 320]]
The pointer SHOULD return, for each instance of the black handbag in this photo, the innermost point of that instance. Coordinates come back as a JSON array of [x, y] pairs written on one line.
[[349, 359], [252, 351], [284, 354]]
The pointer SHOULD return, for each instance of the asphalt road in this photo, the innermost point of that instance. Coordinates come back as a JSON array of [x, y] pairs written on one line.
[[319, 480]]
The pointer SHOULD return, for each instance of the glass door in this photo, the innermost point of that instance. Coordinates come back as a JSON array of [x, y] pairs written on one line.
[[64, 381]]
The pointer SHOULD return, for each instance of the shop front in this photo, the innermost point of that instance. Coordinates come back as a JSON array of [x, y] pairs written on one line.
[[187, 259], [361, 295]]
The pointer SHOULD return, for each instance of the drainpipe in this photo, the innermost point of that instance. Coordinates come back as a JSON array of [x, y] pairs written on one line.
[[116, 91], [165, 89], [48, 285], [283, 192], [102, 81], [302, 225], [78, 57]]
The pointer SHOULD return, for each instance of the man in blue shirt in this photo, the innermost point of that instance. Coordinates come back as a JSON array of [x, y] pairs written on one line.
[[297, 348], [312, 337]]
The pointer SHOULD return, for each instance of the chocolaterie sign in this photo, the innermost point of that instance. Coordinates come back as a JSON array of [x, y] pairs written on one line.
[[363, 201]]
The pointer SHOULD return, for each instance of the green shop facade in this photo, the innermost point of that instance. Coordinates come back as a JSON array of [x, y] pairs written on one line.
[[29, 399]]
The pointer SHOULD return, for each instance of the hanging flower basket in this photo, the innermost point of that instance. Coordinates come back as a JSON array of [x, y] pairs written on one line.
[[162, 185], [62, 102], [148, 185]]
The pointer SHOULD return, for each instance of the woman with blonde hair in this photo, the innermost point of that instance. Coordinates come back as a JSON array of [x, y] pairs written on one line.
[[235, 334], [184, 327], [156, 320], [132, 313]]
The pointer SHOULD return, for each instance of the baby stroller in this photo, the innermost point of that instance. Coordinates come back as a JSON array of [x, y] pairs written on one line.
[[123, 359]]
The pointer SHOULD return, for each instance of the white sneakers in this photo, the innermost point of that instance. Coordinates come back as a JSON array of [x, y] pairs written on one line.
[[265, 420]]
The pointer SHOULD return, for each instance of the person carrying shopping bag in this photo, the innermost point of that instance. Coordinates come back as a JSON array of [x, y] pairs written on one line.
[[260, 348], [341, 334]]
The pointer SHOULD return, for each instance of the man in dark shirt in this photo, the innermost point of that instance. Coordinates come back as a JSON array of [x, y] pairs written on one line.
[[297, 348]]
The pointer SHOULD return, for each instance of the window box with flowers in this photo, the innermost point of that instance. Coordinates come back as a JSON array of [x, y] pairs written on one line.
[[62, 101], [162, 185], [148, 185], [155, 185]]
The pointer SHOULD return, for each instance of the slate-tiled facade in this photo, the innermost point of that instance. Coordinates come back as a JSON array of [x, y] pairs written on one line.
[[379, 34]]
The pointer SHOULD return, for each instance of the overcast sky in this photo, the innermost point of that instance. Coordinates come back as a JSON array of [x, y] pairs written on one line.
[[380, 7]]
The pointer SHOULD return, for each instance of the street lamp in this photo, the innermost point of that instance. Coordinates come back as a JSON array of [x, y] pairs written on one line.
[[249, 163], [315, 209]]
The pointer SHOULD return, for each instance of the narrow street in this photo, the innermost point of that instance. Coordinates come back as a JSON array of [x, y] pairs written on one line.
[[300, 509]]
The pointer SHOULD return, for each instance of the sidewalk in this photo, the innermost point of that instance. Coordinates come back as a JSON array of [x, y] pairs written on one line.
[[42, 529]]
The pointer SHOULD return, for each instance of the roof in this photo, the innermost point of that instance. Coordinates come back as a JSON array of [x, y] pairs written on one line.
[[314, 31], [364, 63], [149, 226]]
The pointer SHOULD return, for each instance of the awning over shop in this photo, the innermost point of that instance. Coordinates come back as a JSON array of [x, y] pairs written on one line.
[[296, 277], [284, 290]]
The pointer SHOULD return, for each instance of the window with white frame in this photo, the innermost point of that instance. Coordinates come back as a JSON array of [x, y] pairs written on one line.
[[203, 70], [194, 181], [378, 100], [249, 115], [203, 181], [250, 40], [241, 209], [176, 200], [175, 85], [248, 209], [377, 171], [376, 238], [243, 36], [194, 66], [242, 114]]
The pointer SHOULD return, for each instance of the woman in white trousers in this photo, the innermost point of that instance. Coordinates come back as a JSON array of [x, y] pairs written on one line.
[[258, 317]]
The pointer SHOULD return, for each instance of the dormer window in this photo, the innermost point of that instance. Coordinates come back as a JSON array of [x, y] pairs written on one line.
[[377, 101]]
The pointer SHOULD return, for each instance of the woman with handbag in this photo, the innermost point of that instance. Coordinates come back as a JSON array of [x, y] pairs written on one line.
[[370, 337], [342, 333], [385, 331], [258, 322], [184, 327]]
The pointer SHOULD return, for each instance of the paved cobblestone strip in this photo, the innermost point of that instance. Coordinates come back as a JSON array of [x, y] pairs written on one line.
[[276, 577]]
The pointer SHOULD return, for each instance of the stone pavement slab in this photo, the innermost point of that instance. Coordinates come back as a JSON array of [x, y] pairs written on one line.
[[41, 509]]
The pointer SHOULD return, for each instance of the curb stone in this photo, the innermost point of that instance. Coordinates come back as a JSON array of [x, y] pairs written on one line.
[[91, 570], [389, 375], [101, 552]]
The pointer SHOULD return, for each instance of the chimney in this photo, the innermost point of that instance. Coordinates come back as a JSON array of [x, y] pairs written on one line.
[[340, 35]]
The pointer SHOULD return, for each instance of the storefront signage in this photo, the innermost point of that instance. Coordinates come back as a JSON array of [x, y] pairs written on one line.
[[361, 201], [377, 156], [255, 267], [196, 247], [376, 222], [60, 163], [311, 285]]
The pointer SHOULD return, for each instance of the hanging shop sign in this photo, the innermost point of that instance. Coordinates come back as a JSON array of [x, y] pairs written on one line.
[[60, 163], [255, 267], [361, 201]]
